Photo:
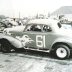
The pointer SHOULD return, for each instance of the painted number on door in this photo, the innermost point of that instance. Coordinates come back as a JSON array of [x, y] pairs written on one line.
[[40, 41]]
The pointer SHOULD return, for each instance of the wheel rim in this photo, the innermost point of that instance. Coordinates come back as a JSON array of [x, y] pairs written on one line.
[[61, 52]]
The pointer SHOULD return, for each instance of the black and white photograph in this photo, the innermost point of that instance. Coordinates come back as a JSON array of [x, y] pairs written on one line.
[[35, 36]]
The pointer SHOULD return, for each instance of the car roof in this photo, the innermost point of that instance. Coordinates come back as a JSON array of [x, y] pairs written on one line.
[[43, 21]]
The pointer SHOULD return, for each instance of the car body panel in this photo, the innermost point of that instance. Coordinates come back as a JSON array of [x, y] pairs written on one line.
[[42, 40], [15, 42]]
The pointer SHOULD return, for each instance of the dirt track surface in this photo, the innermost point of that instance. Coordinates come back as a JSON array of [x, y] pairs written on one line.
[[33, 62]]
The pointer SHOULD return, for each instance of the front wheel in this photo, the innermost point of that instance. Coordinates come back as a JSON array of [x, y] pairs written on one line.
[[62, 51]]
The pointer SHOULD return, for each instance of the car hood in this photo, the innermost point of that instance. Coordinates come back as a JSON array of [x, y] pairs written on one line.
[[65, 32]]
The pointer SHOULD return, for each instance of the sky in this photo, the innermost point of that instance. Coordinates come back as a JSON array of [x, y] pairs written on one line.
[[13, 8]]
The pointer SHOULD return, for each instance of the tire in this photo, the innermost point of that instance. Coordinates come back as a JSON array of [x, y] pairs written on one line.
[[0, 47], [62, 51], [5, 47]]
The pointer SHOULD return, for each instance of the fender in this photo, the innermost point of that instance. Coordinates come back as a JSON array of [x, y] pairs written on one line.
[[67, 41], [15, 42]]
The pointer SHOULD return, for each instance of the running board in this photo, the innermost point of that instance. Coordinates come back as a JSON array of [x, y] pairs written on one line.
[[37, 49]]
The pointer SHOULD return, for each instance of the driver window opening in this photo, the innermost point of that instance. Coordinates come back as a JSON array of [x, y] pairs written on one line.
[[34, 28]]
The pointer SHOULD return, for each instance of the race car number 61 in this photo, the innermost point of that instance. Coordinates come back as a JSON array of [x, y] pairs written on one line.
[[40, 41]]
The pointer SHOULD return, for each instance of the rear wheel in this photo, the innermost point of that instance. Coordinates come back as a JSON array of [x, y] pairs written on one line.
[[62, 51], [5, 46]]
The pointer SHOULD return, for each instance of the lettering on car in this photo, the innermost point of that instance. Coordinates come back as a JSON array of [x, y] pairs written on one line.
[[40, 41]]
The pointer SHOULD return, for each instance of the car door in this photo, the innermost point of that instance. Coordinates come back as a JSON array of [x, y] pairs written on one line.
[[39, 37], [33, 31]]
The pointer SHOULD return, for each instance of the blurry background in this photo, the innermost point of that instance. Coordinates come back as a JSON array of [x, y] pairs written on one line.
[[25, 8]]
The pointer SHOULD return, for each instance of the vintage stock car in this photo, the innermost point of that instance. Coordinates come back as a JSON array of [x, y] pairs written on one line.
[[44, 35]]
